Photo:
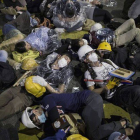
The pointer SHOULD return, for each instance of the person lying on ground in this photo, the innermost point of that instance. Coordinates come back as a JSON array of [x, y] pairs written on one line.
[[124, 34], [44, 40], [14, 31], [119, 93], [84, 102], [125, 57]]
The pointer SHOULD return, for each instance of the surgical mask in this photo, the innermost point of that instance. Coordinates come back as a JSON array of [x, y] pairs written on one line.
[[42, 118], [62, 63], [33, 22], [93, 57]]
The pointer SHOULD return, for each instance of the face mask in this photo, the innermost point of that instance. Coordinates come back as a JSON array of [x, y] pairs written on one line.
[[42, 118], [93, 57], [62, 63], [33, 22]]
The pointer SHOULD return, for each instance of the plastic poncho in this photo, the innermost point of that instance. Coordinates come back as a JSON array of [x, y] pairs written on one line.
[[70, 24], [109, 3], [44, 39], [54, 77], [105, 34]]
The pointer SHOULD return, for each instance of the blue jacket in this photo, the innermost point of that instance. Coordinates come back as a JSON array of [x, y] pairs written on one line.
[[60, 135]]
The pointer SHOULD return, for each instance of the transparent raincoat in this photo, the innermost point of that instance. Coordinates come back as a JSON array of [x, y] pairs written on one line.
[[105, 34], [108, 3], [44, 39], [60, 19], [54, 77]]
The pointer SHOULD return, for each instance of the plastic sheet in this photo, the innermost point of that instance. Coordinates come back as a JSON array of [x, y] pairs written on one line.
[[105, 34], [44, 39], [54, 77], [108, 3], [60, 19]]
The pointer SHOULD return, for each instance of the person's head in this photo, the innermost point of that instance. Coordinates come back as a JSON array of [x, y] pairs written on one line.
[[96, 27], [22, 46], [3, 56], [33, 118], [87, 55], [64, 60], [104, 50], [70, 9], [34, 88]]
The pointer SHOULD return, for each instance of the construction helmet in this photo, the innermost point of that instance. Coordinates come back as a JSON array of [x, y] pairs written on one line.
[[104, 46], [28, 64], [76, 137], [34, 88], [25, 118], [83, 51]]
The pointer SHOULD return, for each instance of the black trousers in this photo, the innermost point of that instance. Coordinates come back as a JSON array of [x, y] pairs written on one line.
[[92, 116], [128, 95], [127, 5], [101, 15]]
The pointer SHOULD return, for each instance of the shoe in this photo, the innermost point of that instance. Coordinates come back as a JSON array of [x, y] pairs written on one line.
[[124, 16]]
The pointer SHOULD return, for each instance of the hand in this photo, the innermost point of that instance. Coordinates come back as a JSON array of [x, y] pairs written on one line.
[[18, 8], [66, 129], [113, 82], [60, 111], [39, 80]]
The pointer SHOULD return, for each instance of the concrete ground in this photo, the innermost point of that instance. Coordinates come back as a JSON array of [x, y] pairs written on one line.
[[115, 11]]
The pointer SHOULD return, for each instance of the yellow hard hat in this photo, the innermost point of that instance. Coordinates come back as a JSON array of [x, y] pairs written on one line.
[[34, 88], [76, 137], [104, 46], [28, 64]]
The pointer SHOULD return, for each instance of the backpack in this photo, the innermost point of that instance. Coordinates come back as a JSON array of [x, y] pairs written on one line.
[[7, 75]]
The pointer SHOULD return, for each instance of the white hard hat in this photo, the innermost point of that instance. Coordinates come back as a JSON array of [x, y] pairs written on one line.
[[96, 27], [83, 51], [26, 119], [85, 42]]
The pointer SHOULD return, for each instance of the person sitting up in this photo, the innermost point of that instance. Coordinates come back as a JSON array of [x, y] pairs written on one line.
[[15, 5], [97, 74], [121, 36], [14, 31], [84, 102], [44, 40]]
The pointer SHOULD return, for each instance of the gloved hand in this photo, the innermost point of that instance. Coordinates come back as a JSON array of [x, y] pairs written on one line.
[[113, 82], [39, 80]]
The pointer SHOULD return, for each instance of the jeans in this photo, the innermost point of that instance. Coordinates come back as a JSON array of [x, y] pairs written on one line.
[[126, 33], [92, 115], [114, 135], [7, 28]]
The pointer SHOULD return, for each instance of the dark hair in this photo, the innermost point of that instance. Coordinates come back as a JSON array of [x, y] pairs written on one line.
[[68, 54], [70, 10], [20, 47], [40, 17]]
